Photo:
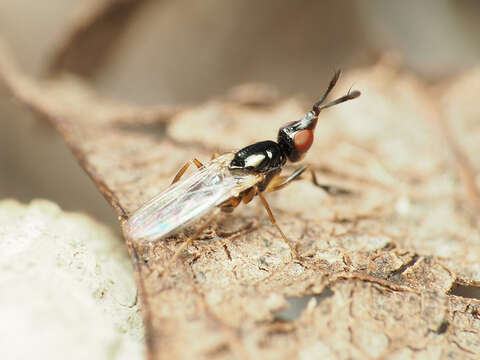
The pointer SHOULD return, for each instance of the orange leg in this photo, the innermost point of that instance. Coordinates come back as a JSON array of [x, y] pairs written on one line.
[[274, 222], [184, 168], [215, 155], [249, 196], [229, 205]]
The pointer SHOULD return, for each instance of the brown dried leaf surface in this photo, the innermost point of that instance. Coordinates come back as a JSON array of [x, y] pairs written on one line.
[[376, 267]]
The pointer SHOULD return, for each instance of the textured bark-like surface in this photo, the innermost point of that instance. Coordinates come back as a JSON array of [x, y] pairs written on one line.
[[390, 271]]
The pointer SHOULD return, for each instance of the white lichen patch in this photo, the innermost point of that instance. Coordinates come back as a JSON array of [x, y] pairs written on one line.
[[67, 288]]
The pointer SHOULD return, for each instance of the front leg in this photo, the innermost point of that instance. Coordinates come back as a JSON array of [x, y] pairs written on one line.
[[329, 189], [281, 181]]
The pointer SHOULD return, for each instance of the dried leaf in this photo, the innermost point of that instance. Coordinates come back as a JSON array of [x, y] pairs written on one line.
[[378, 269], [86, 44]]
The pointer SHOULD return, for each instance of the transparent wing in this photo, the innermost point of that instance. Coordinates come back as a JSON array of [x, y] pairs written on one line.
[[187, 199]]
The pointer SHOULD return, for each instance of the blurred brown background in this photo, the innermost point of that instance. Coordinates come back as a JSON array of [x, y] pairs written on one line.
[[185, 51]]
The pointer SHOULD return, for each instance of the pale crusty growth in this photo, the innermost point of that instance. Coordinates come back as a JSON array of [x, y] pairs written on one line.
[[67, 287], [377, 266]]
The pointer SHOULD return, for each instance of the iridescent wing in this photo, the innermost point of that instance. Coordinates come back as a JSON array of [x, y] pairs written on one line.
[[187, 199]]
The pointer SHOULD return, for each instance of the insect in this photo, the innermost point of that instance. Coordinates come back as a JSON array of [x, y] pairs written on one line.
[[229, 179]]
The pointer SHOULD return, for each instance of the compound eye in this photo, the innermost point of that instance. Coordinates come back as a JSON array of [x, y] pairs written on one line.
[[303, 140]]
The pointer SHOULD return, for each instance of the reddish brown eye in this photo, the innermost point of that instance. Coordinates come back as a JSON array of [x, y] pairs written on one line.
[[303, 140]]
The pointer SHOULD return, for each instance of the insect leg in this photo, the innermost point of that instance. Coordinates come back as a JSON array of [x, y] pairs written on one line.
[[197, 162], [284, 181], [274, 222], [329, 189], [184, 168], [215, 155], [187, 242], [248, 196], [230, 205]]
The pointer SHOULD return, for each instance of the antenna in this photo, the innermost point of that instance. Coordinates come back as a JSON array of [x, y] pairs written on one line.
[[317, 107]]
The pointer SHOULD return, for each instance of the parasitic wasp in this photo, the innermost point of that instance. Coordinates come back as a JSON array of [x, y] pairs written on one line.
[[229, 179]]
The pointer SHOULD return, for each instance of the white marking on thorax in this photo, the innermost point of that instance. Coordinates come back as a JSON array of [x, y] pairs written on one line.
[[254, 160]]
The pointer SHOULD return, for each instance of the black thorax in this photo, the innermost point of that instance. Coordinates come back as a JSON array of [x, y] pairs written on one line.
[[261, 157]]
